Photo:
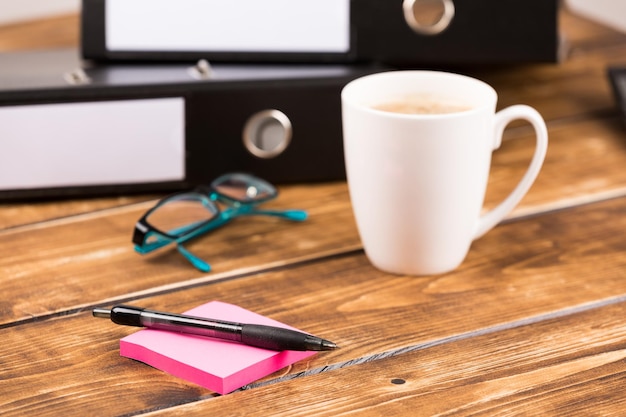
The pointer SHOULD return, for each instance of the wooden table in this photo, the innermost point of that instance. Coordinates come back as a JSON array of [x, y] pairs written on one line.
[[533, 322]]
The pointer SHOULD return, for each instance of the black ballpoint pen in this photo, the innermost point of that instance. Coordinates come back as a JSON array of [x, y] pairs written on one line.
[[267, 337]]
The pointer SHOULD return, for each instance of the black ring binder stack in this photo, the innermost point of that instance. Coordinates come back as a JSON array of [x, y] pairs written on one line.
[[473, 31], [166, 94]]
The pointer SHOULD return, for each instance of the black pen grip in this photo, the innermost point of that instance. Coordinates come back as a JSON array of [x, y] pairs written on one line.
[[126, 315], [274, 338]]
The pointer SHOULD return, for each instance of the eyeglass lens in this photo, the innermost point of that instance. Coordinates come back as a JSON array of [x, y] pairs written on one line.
[[244, 188], [179, 216]]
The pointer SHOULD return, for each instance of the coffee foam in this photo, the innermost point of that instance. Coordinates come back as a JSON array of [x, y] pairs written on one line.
[[422, 104]]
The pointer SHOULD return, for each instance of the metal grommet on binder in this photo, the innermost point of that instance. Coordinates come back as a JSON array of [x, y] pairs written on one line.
[[267, 133], [418, 14]]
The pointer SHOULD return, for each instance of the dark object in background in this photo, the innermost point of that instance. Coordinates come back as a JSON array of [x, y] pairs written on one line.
[[617, 77], [470, 31], [280, 122]]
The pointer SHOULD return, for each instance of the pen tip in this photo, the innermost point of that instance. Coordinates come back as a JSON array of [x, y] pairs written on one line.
[[101, 313], [317, 343], [328, 345]]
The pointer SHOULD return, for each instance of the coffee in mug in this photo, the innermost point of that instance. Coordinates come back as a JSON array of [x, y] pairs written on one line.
[[417, 169], [421, 105]]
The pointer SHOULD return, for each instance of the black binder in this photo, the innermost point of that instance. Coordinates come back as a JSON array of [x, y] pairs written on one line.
[[617, 78], [173, 125], [397, 32]]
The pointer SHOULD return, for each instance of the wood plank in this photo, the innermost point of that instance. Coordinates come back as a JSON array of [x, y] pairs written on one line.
[[53, 32], [522, 270], [584, 163], [573, 365], [88, 259], [17, 214]]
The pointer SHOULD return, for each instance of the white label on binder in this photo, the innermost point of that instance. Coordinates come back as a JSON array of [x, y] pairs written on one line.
[[93, 143], [228, 25]]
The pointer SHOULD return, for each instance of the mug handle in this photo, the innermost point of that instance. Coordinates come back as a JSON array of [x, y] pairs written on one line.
[[488, 220]]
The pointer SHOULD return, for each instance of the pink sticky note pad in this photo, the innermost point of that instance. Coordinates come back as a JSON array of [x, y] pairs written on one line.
[[215, 364]]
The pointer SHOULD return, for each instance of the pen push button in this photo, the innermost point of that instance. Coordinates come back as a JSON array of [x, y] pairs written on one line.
[[126, 316]]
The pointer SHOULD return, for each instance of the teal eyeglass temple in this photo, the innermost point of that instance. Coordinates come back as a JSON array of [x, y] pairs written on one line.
[[148, 238]]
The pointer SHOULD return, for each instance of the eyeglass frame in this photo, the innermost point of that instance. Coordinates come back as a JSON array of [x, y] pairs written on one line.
[[208, 196]]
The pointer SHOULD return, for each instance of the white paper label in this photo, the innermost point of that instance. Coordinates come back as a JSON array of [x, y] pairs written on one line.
[[228, 25], [95, 143]]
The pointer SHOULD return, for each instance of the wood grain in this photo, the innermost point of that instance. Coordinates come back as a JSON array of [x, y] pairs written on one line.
[[524, 270], [54, 32], [89, 259], [32, 212]]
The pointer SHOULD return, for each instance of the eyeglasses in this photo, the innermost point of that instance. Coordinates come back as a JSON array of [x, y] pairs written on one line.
[[185, 215]]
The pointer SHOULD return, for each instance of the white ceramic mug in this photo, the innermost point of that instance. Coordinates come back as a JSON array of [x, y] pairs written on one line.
[[417, 181]]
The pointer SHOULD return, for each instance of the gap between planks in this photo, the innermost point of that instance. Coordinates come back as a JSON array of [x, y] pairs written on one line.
[[450, 339], [193, 283]]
